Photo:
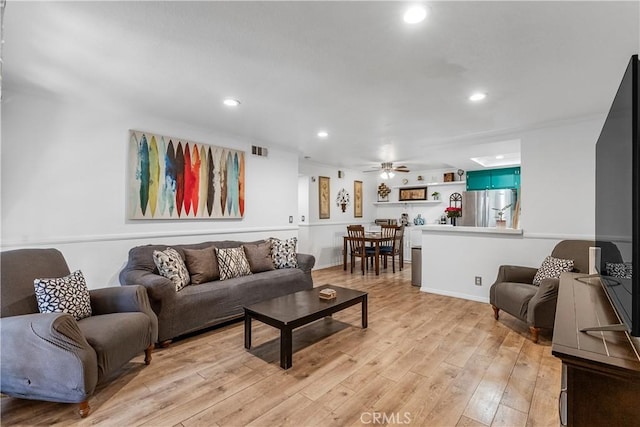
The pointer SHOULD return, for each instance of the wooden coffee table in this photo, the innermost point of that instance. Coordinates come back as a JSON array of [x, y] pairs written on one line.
[[300, 308]]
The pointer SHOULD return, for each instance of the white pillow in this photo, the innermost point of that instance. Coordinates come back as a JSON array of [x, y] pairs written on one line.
[[171, 265], [283, 252], [232, 262], [551, 268], [67, 294]]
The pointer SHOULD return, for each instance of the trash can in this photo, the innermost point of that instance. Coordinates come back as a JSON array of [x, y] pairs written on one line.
[[416, 265]]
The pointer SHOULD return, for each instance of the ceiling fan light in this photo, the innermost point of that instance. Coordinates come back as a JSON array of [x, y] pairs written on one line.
[[391, 174]]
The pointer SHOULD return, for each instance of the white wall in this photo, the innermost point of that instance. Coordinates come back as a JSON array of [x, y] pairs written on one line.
[[558, 202], [323, 237], [64, 179]]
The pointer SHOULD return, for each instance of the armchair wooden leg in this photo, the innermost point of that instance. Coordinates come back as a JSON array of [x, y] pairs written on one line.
[[147, 354], [534, 333], [84, 409], [496, 311]]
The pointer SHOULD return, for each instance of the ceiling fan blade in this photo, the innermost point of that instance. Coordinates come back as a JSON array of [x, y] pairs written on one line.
[[402, 170], [373, 170], [401, 167]]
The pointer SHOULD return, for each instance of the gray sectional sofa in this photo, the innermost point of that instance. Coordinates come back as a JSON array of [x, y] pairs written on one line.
[[206, 304]]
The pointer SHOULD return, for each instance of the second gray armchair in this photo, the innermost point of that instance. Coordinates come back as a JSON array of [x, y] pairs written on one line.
[[515, 293]]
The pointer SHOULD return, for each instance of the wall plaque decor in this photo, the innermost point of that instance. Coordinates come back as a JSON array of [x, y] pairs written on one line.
[[324, 197], [173, 178], [357, 199], [413, 193]]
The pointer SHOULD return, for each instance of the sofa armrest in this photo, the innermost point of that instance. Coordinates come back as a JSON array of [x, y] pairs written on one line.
[[516, 274], [124, 299], [306, 262], [158, 287], [46, 357], [542, 306]]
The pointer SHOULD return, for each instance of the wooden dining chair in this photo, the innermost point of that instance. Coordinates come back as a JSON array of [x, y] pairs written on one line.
[[392, 245], [358, 247]]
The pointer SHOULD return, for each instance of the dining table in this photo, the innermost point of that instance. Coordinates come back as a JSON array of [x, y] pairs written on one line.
[[374, 238]]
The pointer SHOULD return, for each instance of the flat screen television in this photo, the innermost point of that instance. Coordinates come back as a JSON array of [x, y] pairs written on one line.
[[617, 200]]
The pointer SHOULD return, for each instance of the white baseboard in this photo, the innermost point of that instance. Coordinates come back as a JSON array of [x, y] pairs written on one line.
[[455, 294]]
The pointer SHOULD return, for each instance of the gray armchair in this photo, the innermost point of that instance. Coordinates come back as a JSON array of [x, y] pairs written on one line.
[[52, 356], [514, 292]]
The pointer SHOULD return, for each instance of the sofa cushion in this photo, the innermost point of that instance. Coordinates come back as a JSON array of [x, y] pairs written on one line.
[[116, 338], [259, 256], [232, 262], [67, 294], [551, 268], [202, 264], [283, 252], [171, 266]]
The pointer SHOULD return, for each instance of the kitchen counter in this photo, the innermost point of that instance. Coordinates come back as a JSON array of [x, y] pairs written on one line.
[[465, 229]]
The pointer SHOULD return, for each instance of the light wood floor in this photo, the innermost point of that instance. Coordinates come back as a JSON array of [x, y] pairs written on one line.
[[425, 360]]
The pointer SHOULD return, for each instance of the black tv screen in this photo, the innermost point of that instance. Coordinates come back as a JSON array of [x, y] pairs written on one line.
[[617, 200]]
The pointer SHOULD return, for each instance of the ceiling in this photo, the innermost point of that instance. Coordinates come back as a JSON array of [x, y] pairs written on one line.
[[384, 90]]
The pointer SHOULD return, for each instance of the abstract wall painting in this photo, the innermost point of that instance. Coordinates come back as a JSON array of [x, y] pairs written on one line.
[[172, 178]]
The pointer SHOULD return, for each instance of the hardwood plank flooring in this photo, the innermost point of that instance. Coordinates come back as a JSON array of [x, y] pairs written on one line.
[[424, 360]]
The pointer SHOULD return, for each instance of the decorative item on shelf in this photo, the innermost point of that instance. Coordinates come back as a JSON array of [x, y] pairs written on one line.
[[443, 219], [435, 195], [404, 219], [383, 192], [343, 199], [460, 174], [413, 193], [418, 220], [455, 207], [327, 293], [448, 177], [500, 221]]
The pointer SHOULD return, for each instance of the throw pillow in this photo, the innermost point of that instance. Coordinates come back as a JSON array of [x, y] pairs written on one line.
[[202, 264], [67, 294], [259, 256], [551, 268], [622, 270], [232, 262], [171, 266], [283, 252]]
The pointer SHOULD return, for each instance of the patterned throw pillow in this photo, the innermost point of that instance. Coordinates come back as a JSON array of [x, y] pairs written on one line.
[[259, 256], [551, 268], [171, 266], [283, 252], [622, 270], [64, 295], [232, 262], [202, 265]]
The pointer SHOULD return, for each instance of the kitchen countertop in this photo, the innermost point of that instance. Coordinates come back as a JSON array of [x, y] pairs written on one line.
[[465, 229]]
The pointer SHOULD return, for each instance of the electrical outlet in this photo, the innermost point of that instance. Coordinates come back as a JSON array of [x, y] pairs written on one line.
[[478, 281]]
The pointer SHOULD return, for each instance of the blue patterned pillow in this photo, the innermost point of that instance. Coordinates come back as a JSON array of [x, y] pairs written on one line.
[[283, 252], [67, 294]]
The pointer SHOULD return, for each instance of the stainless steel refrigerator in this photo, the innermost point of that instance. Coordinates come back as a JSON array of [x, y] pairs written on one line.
[[480, 208]]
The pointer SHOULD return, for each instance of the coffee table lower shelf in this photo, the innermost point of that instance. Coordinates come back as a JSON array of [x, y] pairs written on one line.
[[291, 311]]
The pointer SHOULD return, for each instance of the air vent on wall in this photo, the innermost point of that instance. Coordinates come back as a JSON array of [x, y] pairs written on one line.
[[259, 151]]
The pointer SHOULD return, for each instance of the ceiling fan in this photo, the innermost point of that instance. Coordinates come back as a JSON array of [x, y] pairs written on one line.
[[388, 170]]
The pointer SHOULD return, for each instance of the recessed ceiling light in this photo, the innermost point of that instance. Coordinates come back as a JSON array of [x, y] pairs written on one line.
[[230, 102], [499, 157], [323, 134], [478, 96], [415, 14]]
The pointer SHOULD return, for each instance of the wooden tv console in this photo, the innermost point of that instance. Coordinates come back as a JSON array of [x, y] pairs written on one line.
[[600, 370]]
